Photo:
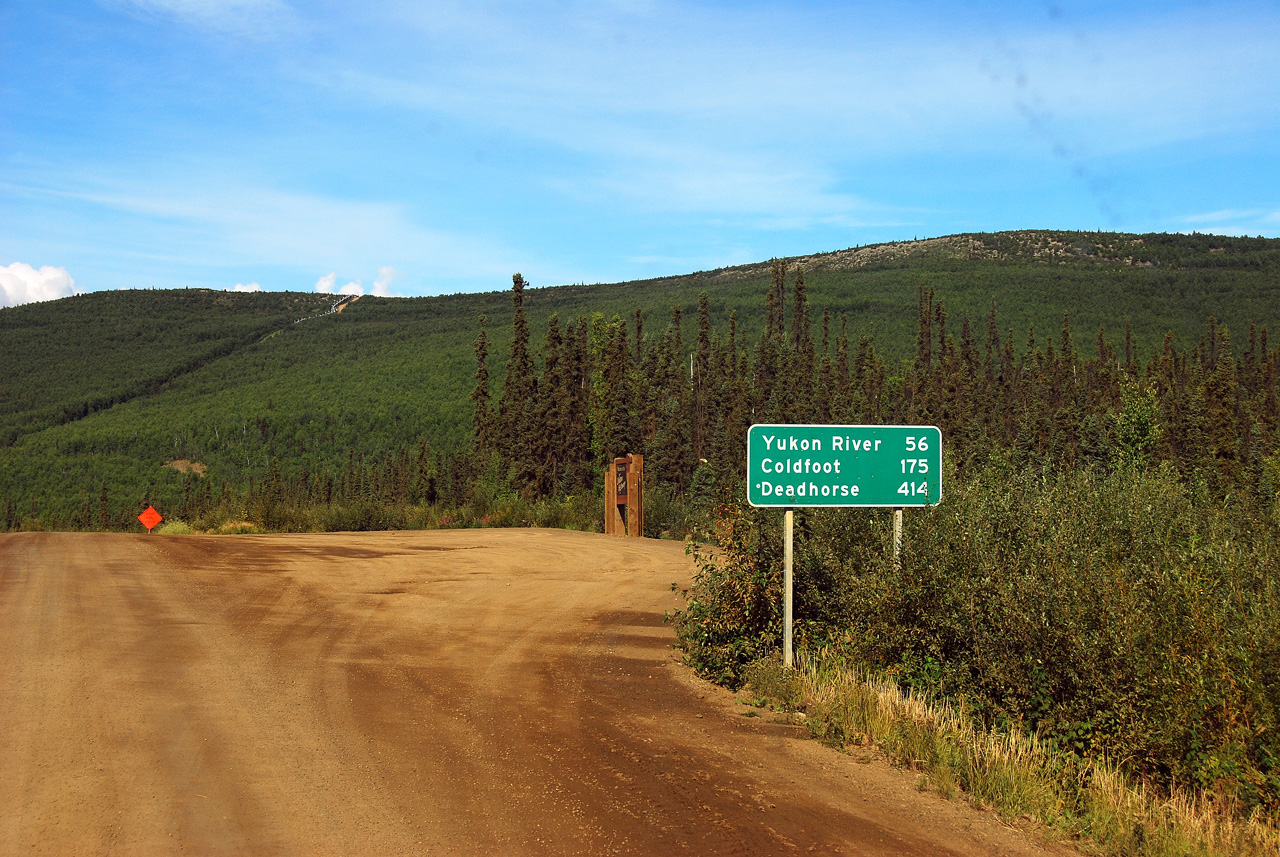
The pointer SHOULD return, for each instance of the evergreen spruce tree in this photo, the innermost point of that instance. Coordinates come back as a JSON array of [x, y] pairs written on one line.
[[800, 375], [481, 413], [669, 457], [775, 302], [1220, 397], [554, 412], [618, 426], [579, 469], [841, 400], [825, 375], [514, 425], [639, 323], [701, 380]]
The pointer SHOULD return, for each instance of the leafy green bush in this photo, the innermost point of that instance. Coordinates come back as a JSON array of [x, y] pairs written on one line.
[[1116, 615], [733, 614], [173, 527], [357, 517], [1119, 615], [665, 513], [584, 511]]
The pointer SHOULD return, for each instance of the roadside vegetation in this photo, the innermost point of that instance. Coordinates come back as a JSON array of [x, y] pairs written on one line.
[[1086, 799], [1095, 651]]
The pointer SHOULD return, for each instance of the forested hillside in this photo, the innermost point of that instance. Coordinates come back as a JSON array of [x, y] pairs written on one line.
[[74, 357], [102, 390]]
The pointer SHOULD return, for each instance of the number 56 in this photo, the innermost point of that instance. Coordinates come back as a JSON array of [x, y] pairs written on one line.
[[920, 443]]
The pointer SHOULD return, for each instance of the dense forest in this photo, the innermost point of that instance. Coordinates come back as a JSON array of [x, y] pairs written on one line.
[[608, 387], [112, 392]]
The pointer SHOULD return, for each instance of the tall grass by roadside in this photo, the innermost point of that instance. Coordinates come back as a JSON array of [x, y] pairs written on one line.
[[1008, 770], [490, 502], [576, 512]]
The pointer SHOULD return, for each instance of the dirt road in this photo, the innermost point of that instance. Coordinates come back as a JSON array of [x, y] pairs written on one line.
[[459, 692]]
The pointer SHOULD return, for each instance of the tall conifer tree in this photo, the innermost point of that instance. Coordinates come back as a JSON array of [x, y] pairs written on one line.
[[481, 412], [513, 423], [701, 381]]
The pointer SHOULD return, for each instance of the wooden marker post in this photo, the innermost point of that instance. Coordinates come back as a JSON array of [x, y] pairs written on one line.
[[613, 523], [624, 497], [635, 496]]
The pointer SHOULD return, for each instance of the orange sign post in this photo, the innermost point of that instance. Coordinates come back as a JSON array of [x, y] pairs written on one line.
[[624, 497], [150, 518]]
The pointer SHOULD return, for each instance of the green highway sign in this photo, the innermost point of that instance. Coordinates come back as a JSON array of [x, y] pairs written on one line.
[[808, 465]]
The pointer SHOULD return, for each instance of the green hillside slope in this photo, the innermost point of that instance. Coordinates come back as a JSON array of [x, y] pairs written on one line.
[[107, 388], [70, 358]]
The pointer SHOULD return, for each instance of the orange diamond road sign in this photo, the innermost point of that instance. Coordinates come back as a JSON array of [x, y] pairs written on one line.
[[150, 518]]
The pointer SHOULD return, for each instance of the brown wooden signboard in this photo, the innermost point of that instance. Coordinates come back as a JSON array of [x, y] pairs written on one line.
[[624, 497]]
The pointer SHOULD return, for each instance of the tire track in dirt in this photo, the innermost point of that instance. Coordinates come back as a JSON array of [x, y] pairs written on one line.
[[459, 692]]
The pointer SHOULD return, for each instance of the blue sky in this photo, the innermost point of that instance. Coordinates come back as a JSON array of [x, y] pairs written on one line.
[[428, 148]]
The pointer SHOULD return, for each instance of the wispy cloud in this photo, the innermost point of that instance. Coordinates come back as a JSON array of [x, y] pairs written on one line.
[[242, 17], [328, 284], [454, 142], [773, 117], [250, 225], [382, 285], [871, 83], [1232, 221], [1235, 214]]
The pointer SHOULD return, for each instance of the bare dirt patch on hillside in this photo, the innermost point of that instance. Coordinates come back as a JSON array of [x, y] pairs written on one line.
[[183, 465], [457, 692]]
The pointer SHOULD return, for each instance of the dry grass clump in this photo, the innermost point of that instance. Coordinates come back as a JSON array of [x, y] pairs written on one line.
[[236, 528], [1017, 775]]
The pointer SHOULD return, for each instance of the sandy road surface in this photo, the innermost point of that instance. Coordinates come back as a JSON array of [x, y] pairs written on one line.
[[462, 692]]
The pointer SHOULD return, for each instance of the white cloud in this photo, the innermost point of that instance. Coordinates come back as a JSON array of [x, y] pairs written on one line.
[[251, 287], [325, 286], [382, 285], [22, 284]]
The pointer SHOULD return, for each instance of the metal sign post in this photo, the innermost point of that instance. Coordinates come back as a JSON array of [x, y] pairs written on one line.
[[897, 538], [790, 466], [788, 529]]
